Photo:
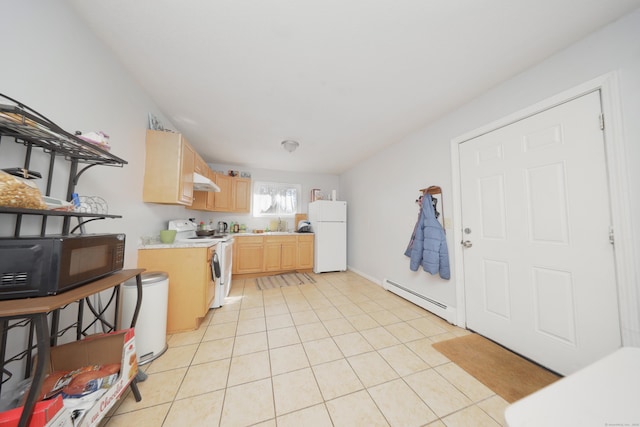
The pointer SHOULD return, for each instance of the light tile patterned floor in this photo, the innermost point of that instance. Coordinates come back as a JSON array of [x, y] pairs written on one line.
[[341, 352]]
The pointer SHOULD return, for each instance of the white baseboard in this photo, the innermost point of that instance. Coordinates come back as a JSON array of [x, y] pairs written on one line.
[[438, 308]]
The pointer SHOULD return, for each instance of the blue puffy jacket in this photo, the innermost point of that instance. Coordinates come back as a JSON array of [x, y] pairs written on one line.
[[428, 245]]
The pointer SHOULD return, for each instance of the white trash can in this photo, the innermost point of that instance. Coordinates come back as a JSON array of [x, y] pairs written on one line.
[[151, 326]]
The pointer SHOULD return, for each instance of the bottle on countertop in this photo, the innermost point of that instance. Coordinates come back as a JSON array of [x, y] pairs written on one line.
[[231, 225], [236, 228]]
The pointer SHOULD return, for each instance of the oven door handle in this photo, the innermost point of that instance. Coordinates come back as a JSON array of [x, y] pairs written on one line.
[[215, 265]]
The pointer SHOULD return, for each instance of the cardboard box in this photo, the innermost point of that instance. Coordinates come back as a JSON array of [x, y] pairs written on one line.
[[44, 414], [115, 347], [61, 419]]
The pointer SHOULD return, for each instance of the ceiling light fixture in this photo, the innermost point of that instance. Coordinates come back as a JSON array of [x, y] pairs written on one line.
[[290, 145]]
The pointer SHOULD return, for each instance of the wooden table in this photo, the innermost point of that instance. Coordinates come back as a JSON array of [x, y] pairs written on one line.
[[36, 310]]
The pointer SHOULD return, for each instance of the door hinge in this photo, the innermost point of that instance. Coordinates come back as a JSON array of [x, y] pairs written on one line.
[[601, 118], [611, 237]]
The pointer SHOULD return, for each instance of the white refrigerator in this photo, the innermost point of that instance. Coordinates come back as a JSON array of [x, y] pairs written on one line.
[[329, 223]]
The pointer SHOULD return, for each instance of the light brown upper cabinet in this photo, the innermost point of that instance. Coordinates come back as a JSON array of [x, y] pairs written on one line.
[[201, 166], [241, 195], [224, 199], [169, 166], [234, 195], [204, 200]]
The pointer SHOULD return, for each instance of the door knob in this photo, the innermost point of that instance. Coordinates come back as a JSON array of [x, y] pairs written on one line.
[[467, 243]]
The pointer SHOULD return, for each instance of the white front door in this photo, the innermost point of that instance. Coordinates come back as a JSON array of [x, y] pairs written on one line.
[[538, 260]]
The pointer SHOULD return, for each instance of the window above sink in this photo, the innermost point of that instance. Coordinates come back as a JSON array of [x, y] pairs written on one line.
[[275, 199]]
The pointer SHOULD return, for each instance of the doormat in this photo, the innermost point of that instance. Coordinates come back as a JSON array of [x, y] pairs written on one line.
[[510, 376], [281, 280]]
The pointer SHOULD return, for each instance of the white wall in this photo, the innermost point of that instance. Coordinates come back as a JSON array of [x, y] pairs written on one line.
[[381, 191], [54, 64]]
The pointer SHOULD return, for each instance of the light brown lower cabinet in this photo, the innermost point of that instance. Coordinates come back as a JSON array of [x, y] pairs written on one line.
[[248, 254], [280, 253], [191, 286], [254, 255], [305, 252]]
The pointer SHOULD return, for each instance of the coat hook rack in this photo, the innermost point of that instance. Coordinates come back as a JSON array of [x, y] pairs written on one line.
[[434, 190]]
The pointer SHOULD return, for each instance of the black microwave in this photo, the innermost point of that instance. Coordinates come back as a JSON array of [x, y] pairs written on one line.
[[40, 266]]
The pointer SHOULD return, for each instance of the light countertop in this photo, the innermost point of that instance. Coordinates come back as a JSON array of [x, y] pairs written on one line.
[[176, 245], [156, 244], [271, 233]]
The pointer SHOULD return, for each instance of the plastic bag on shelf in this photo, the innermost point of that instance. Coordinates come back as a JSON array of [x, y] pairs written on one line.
[[19, 193], [99, 138]]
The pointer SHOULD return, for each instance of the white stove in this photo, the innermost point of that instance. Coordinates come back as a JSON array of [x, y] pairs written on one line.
[[222, 259]]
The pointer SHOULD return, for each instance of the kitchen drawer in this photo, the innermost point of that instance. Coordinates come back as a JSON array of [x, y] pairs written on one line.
[[248, 239], [279, 239]]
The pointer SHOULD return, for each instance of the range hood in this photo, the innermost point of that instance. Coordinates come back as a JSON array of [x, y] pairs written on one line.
[[202, 183]]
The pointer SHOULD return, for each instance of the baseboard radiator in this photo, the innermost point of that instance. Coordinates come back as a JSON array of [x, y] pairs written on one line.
[[429, 304]]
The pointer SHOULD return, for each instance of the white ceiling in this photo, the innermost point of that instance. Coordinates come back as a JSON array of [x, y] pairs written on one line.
[[345, 78]]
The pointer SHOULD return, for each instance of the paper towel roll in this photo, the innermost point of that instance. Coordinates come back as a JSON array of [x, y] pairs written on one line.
[[333, 195]]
